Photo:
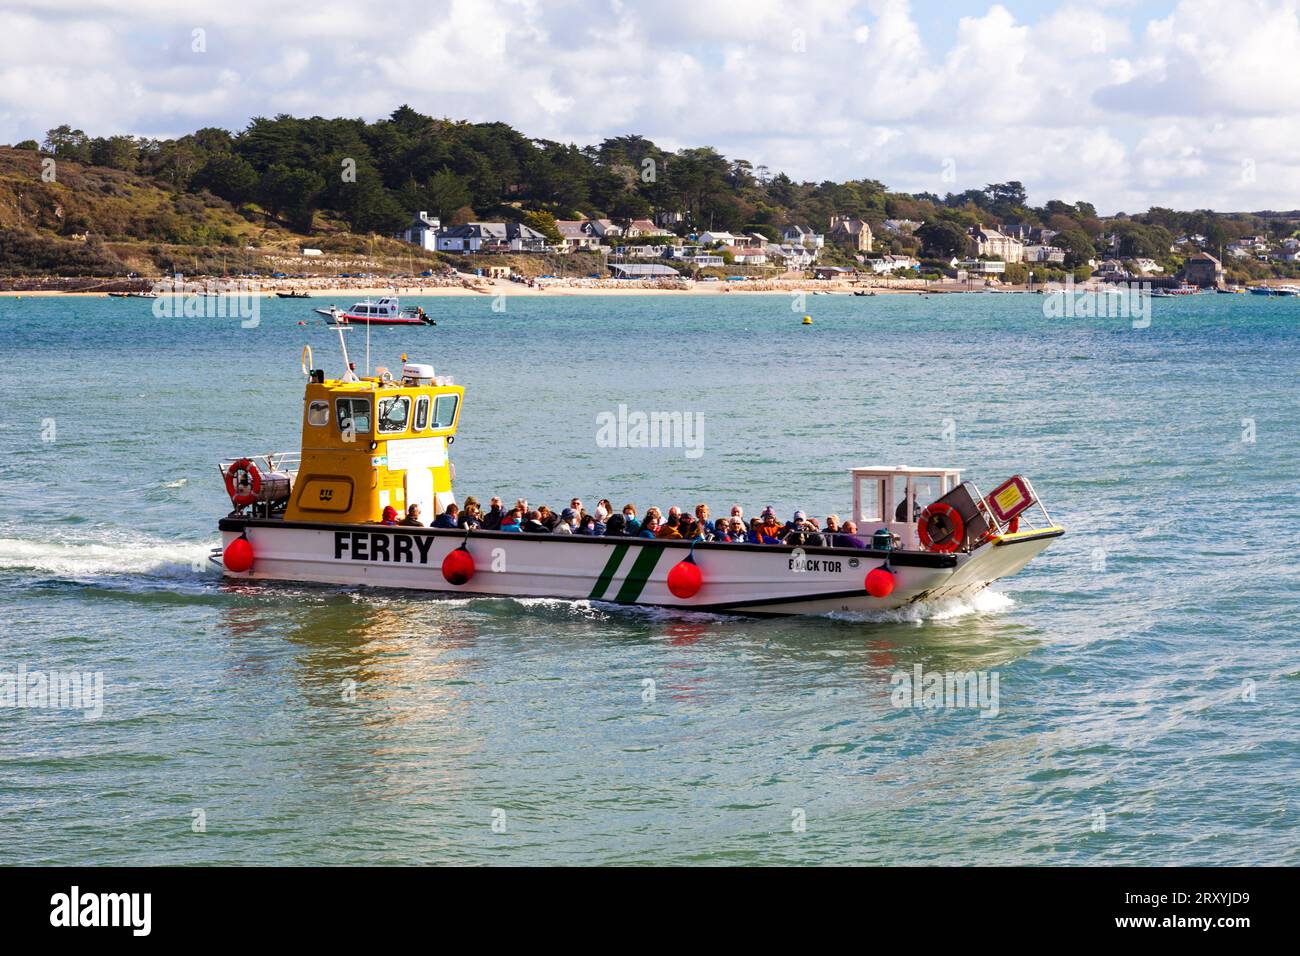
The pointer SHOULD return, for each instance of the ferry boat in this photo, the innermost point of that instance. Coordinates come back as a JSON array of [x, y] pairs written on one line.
[[384, 311], [1275, 290], [381, 440]]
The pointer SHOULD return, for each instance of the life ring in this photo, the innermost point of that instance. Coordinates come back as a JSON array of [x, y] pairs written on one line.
[[307, 364], [246, 468], [942, 512]]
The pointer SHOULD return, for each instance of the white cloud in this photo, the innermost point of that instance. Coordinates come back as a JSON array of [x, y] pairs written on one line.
[[1084, 101]]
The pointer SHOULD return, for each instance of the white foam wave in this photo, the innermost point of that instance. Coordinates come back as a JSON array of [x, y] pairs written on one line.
[[83, 560], [942, 609]]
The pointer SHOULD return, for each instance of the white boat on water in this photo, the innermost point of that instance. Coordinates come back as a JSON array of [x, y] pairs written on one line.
[[379, 441], [386, 310]]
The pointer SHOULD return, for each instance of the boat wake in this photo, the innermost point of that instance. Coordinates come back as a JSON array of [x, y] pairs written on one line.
[[147, 558], [942, 609]]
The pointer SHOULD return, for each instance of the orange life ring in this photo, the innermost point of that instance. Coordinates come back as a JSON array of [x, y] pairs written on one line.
[[249, 469], [948, 512]]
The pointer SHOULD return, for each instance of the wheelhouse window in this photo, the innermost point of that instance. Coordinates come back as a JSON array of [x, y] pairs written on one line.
[[394, 413], [444, 410], [354, 415], [318, 413], [422, 413]]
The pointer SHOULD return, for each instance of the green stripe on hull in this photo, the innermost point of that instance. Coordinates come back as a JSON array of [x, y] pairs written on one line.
[[607, 575], [636, 578]]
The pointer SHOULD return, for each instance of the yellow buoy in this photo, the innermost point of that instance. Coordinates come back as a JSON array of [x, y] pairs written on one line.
[[807, 320]]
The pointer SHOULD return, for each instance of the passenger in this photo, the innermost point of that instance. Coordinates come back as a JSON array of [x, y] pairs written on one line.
[[755, 533], [390, 516], [548, 517], [722, 531], [689, 529], [630, 521], [832, 524], [605, 503], [737, 529], [615, 526], [796, 520], [738, 513], [510, 522], [471, 517], [576, 505], [650, 526], [702, 515], [813, 534], [770, 528], [674, 512], [449, 518], [565, 524], [492, 520], [533, 524], [521, 505], [848, 537], [602, 513], [900, 513], [587, 526], [671, 528], [412, 519]]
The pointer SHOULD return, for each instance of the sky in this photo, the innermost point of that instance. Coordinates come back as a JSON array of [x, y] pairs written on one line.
[[1192, 104]]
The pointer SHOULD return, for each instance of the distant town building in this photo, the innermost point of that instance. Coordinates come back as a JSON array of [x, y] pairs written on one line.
[[491, 237], [802, 236], [709, 238], [577, 235], [986, 241], [852, 232], [984, 267], [791, 256], [887, 264], [901, 227], [422, 232], [1040, 253], [1202, 270]]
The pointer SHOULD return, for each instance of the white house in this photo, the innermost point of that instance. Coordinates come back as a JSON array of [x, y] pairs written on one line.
[[887, 264], [578, 234], [792, 256], [1042, 253], [491, 237], [422, 232], [802, 236], [709, 238], [747, 256]]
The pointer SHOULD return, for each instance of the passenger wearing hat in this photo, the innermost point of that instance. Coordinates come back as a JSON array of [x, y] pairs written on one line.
[[390, 515], [566, 522]]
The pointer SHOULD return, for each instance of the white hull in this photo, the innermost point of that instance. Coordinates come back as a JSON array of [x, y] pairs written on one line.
[[737, 579]]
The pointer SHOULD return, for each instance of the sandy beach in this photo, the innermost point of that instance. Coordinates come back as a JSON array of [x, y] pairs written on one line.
[[323, 289]]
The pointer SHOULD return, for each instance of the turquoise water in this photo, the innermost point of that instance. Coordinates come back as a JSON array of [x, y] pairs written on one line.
[[1147, 662]]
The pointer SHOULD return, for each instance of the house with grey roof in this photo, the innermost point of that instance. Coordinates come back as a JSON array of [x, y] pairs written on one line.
[[491, 237]]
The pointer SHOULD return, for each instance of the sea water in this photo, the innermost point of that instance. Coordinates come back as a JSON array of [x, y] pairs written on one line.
[[1145, 666]]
